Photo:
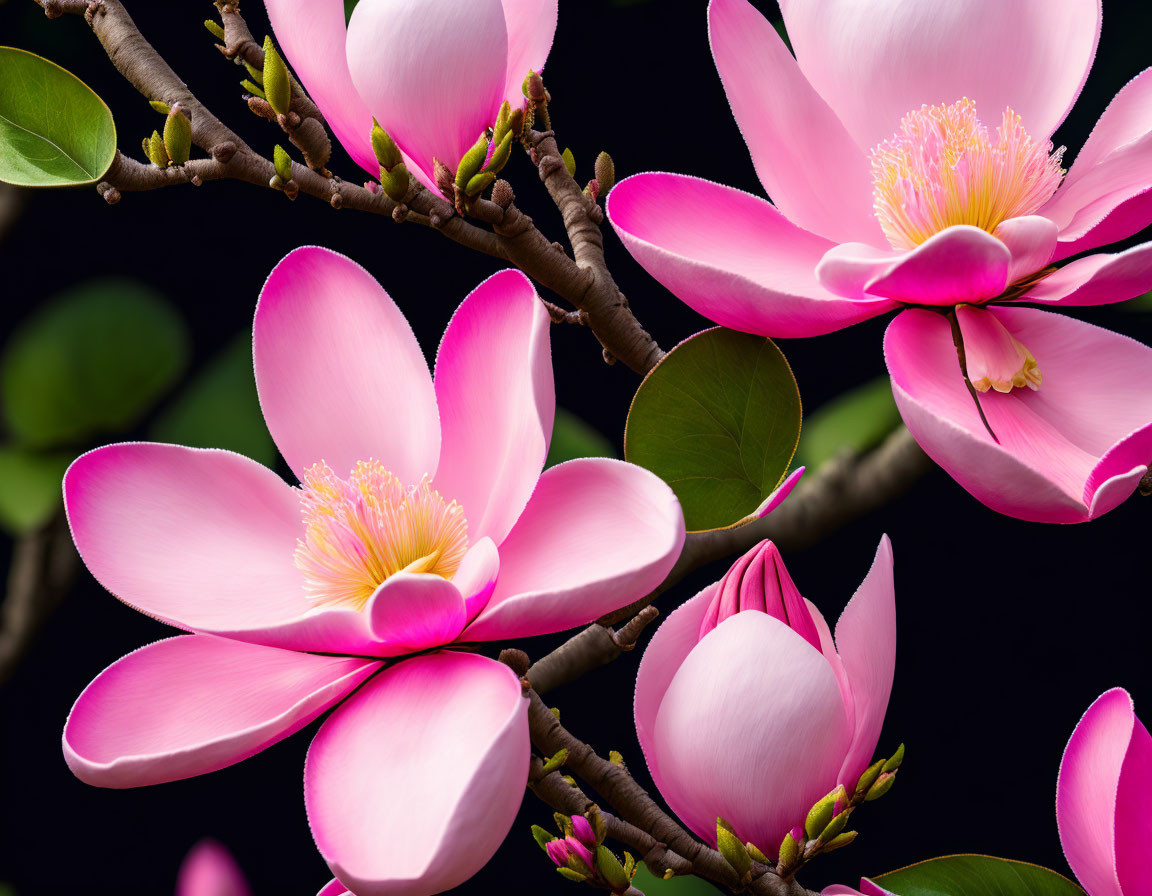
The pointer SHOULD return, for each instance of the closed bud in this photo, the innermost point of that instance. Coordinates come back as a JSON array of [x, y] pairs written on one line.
[[503, 123], [442, 175], [835, 826], [177, 135], [480, 183], [731, 848], [154, 149], [882, 786], [533, 87], [395, 182], [254, 73], [573, 875], [282, 162], [252, 89], [820, 814], [216, 30], [579, 855], [558, 852], [897, 758], [162, 108], [582, 830], [501, 154], [615, 757], [516, 123], [277, 86], [869, 777], [757, 855], [542, 837], [560, 757], [385, 148], [789, 851], [569, 162], [611, 870], [472, 162], [840, 840], [605, 172], [599, 826]]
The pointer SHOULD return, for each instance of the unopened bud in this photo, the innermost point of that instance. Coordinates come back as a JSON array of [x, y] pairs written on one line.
[[442, 175], [177, 135], [533, 87], [835, 826], [582, 830], [277, 86], [385, 148], [731, 848], [252, 89], [558, 852], [605, 172], [868, 778], [579, 855], [820, 814], [757, 855], [592, 189], [882, 786], [472, 162], [480, 183], [615, 757], [214, 28], [516, 123], [897, 758], [162, 108], [569, 162], [395, 182], [282, 162], [542, 837], [789, 851], [503, 195], [154, 149], [611, 870], [573, 875], [840, 840], [503, 123], [500, 155], [254, 73], [557, 760]]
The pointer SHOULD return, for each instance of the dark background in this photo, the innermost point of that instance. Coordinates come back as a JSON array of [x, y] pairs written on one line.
[[1008, 630]]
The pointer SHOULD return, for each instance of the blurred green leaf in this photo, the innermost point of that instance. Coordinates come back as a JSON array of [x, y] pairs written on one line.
[[54, 130], [858, 420], [220, 409], [573, 438], [976, 876], [94, 360], [718, 419], [685, 885], [349, 5], [29, 490], [1140, 303]]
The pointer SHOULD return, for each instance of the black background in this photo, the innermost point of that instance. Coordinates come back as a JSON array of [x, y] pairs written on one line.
[[1008, 630]]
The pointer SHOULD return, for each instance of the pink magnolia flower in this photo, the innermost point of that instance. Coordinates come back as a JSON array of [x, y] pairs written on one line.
[[1102, 799], [906, 150], [422, 521], [867, 888], [747, 709], [432, 72], [210, 870]]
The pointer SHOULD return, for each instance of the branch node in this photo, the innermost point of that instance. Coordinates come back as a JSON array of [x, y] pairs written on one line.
[[400, 213], [223, 152], [516, 660], [109, 193]]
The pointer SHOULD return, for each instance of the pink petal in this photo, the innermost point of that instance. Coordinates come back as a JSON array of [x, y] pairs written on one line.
[[476, 577], [210, 870], [531, 27], [1086, 430], [1133, 820], [866, 643], [1097, 279], [1031, 240], [875, 62], [312, 36], [731, 256], [412, 784], [960, 264], [1095, 204], [670, 645], [334, 888], [782, 491], [596, 535], [197, 703], [752, 728], [1086, 791], [433, 72], [813, 171], [340, 375], [867, 888], [497, 401], [414, 611]]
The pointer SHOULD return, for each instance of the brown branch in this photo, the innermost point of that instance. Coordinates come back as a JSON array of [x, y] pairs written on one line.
[[596, 646]]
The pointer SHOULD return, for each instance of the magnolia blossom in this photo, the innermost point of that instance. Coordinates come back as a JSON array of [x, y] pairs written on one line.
[[747, 709], [906, 149], [1102, 799], [210, 870], [432, 72], [422, 520]]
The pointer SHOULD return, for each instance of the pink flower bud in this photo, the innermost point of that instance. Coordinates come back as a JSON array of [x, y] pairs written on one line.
[[558, 852], [759, 581], [582, 830], [798, 833], [581, 851]]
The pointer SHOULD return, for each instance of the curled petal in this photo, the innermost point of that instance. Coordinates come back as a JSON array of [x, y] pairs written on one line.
[[1097, 279], [1031, 240], [960, 264], [414, 611]]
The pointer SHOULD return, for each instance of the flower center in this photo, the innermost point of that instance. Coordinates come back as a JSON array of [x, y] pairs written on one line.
[[943, 168], [361, 530]]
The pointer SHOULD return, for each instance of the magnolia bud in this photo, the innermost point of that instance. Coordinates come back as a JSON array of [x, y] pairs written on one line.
[[162, 108], [821, 813], [611, 869], [443, 177], [254, 73], [789, 850], [582, 830], [835, 826], [395, 182], [282, 162], [472, 162], [756, 854], [840, 840], [501, 154], [385, 148], [605, 172], [569, 162], [573, 875], [868, 778], [503, 125], [178, 135], [214, 27], [479, 183], [882, 786], [542, 837], [154, 149], [731, 848], [557, 760], [277, 86], [558, 852], [579, 856], [252, 89], [897, 758]]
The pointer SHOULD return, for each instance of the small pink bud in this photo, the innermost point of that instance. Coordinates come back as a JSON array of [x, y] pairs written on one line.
[[558, 852], [581, 851], [582, 830], [798, 834]]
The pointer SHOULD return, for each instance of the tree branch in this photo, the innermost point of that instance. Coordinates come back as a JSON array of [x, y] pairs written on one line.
[[596, 646]]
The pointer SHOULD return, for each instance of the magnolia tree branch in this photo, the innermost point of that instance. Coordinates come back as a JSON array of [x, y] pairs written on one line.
[[596, 646]]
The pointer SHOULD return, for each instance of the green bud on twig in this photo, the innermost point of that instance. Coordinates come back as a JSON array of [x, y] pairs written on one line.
[[868, 778], [835, 826], [557, 760], [501, 154], [282, 162], [897, 758], [162, 108], [277, 86], [252, 89], [611, 869], [756, 854], [734, 852], [605, 173], [254, 73], [615, 757], [542, 837], [479, 183], [471, 163], [178, 135], [503, 124], [882, 786], [385, 148], [569, 162], [573, 875], [820, 814], [840, 840], [789, 851], [395, 182], [154, 149], [215, 28]]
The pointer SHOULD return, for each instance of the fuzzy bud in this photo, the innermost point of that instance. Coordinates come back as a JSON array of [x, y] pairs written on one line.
[[605, 172], [542, 837], [277, 85], [177, 135], [472, 162], [385, 148], [897, 758], [282, 162], [154, 149], [252, 89], [558, 852], [569, 162], [868, 778], [882, 786], [789, 850], [733, 850], [582, 830], [215, 29], [821, 813]]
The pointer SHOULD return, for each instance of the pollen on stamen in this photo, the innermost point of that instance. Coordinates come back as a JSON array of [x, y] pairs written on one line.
[[943, 167], [361, 530]]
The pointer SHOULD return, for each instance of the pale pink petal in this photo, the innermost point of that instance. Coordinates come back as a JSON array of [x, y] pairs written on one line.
[[197, 703], [1031, 240], [340, 375], [497, 400], [731, 256], [1090, 421], [1133, 820], [410, 612], [1110, 171], [866, 643], [670, 645], [960, 264], [809, 165], [752, 728], [210, 870], [597, 534], [432, 72], [875, 62], [312, 36], [531, 26], [848, 268], [1086, 791], [476, 577], [412, 784], [1097, 279]]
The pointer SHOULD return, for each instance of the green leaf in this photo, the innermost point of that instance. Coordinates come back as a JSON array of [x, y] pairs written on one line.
[[349, 5], [29, 489], [683, 885], [219, 409], [976, 876], [54, 130], [573, 438], [94, 360], [718, 419], [858, 420]]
